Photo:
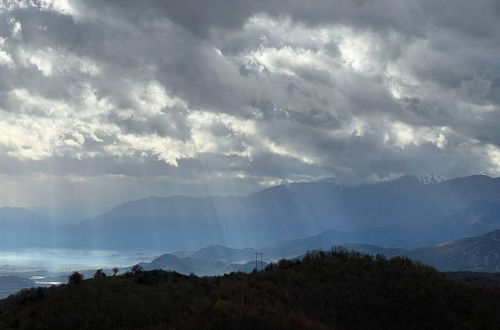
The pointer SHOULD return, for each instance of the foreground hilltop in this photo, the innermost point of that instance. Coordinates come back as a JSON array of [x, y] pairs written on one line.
[[334, 290]]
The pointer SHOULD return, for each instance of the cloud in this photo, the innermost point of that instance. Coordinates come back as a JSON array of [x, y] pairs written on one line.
[[230, 96]]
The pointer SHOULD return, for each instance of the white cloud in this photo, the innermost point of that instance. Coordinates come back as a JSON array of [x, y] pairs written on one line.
[[16, 28], [275, 92], [6, 59], [50, 61]]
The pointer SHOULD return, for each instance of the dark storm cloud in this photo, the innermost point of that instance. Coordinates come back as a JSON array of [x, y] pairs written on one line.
[[235, 95], [199, 16]]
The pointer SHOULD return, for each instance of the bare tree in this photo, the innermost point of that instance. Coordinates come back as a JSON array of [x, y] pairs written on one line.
[[136, 269]]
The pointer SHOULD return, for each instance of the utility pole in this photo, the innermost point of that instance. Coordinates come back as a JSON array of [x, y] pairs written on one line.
[[257, 255]]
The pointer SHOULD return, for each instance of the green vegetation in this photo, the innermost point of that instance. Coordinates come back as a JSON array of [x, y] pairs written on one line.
[[325, 290]]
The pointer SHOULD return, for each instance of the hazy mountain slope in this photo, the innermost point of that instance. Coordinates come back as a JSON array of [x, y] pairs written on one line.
[[185, 265], [169, 262], [480, 253], [222, 253], [16, 216], [198, 266], [374, 250], [442, 210], [19, 226], [386, 236]]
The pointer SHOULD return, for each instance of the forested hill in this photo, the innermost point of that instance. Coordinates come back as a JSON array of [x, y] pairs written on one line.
[[334, 290]]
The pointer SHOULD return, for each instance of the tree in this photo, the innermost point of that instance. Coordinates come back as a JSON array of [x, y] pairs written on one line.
[[115, 271], [75, 278], [99, 274], [136, 269]]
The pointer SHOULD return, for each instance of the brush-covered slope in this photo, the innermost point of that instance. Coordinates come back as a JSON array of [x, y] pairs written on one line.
[[336, 290]]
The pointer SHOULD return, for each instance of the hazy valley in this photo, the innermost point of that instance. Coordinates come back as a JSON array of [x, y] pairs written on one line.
[[449, 224]]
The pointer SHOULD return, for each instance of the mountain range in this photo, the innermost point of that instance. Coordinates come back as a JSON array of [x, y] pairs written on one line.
[[403, 213], [407, 212], [477, 254]]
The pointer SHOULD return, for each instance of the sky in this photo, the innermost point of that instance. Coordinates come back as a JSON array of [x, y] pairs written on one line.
[[107, 101]]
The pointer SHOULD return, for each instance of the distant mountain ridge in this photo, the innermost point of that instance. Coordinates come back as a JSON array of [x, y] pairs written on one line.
[[200, 267], [448, 209], [16, 216], [419, 179], [478, 254], [407, 212]]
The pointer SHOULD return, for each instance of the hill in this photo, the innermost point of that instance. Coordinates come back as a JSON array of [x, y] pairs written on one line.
[[476, 254], [407, 213], [479, 254], [376, 238], [200, 264], [335, 290], [224, 254]]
